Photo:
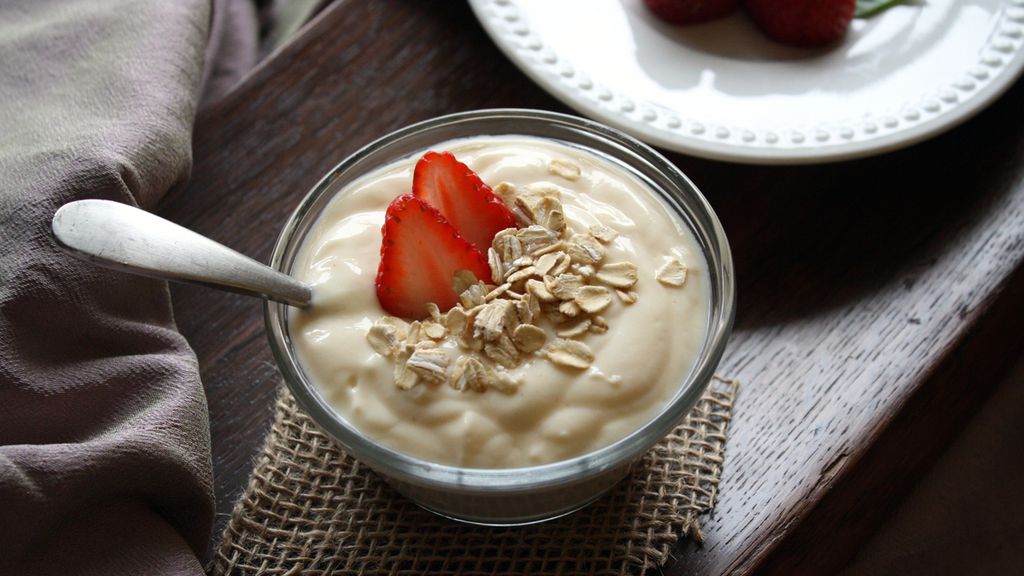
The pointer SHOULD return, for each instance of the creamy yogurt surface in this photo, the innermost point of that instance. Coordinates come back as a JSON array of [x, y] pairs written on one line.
[[556, 412]]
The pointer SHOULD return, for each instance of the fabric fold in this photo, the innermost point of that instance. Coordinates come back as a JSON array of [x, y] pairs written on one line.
[[104, 435]]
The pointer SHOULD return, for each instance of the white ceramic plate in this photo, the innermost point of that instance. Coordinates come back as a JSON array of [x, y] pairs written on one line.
[[722, 90]]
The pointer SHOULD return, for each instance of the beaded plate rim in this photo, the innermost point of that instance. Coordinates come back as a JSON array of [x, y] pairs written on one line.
[[1000, 61]]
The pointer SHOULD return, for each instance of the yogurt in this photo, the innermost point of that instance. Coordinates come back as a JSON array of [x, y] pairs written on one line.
[[655, 330]]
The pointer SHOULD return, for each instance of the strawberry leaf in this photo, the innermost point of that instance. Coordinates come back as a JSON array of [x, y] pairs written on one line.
[[869, 8]]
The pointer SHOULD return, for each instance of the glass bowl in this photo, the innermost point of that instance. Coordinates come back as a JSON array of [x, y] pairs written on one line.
[[512, 495]]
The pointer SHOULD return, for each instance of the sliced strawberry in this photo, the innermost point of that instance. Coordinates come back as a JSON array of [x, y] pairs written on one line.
[[690, 11], [802, 22], [462, 198], [419, 255]]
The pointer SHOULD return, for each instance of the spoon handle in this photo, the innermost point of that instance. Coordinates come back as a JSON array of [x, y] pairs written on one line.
[[119, 236]]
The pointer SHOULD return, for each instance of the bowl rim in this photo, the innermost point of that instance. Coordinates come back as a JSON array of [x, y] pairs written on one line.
[[416, 471]]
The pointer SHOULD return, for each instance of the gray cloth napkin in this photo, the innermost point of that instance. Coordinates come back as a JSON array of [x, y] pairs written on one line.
[[104, 437]]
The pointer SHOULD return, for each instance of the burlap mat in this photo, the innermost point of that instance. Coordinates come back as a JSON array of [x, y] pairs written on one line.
[[310, 508]]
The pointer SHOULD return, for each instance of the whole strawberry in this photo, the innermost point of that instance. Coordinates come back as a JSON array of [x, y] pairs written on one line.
[[690, 11], [802, 22]]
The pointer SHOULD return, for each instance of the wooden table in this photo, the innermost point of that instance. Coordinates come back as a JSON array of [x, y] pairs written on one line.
[[879, 298]]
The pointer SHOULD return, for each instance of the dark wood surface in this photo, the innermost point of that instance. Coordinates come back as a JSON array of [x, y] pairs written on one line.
[[878, 298]]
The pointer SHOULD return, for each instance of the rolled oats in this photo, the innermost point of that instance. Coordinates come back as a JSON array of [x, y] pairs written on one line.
[[508, 195], [386, 335], [535, 238], [497, 269], [522, 206], [434, 312], [528, 308], [507, 245], [467, 374], [502, 381], [429, 364], [455, 319], [433, 330], [540, 291], [547, 261], [498, 291], [541, 271], [618, 275], [584, 249], [539, 190], [528, 272], [672, 273], [493, 319], [569, 353], [529, 338], [548, 213], [565, 169], [415, 333], [556, 247], [423, 345], [506, 191], [569, 307], [404, 377], [561, 265], [472, 296], [554, 220], [503, 351], [574, 329], [627, 296], [584, 270], [593, 299], [466, 337], [550, 310], [603, 233], [564, 286], [463, 280], [521, 262]]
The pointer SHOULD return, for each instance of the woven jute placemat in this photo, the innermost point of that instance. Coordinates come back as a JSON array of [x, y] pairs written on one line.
[[310, 508]]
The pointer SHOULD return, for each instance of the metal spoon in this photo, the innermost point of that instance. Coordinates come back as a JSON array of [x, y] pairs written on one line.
[[124, 238]]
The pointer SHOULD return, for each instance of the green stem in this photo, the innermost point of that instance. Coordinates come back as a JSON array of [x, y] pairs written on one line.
[[869, 8]]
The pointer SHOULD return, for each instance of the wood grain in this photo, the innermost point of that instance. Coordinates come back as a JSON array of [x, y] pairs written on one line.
[[877, 297]]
